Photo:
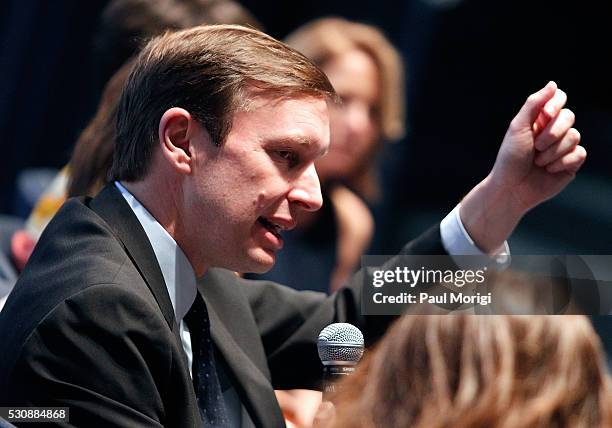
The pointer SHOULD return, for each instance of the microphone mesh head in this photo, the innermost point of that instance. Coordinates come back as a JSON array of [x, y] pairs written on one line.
[[340, 342]]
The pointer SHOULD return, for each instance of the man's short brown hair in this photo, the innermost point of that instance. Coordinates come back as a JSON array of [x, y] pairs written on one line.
[[209, 71]]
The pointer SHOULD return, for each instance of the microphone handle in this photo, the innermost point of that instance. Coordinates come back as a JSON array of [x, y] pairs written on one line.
[[332, 375]]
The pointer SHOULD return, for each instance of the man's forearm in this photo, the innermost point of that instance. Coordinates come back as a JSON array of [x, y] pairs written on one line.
[[489, 214]]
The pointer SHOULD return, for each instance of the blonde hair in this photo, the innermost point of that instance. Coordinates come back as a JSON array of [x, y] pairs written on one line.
[[323, 40], [481, 371], [326, 38]]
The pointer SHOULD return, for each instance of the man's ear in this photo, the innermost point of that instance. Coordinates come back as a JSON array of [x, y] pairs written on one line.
[[176, 129]]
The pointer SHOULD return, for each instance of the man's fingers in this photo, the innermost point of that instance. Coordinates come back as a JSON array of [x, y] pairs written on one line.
[[532, 107], [570, 140], [555, 130], [571, 162], [550, 110]]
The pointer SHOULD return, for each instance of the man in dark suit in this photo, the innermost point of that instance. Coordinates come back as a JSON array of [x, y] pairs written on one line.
[[218, 130]]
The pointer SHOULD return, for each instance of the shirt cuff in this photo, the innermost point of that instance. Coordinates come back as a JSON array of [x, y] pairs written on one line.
[[457, 242]]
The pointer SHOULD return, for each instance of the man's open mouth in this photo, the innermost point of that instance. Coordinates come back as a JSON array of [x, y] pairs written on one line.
[[272, 227]]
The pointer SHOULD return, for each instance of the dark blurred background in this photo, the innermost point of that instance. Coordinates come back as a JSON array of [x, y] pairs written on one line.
[[470, 66]]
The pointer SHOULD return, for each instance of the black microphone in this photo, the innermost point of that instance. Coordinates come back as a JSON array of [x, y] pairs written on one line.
[[340, 347]]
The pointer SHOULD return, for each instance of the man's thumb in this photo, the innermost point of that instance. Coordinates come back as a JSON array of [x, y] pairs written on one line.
[[534, 104]]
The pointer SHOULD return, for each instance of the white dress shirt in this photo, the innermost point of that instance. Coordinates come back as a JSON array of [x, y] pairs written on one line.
[[457, 242], [178, 273]]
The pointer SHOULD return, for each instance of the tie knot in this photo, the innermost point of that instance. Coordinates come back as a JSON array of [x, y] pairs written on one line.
[[197, 316]]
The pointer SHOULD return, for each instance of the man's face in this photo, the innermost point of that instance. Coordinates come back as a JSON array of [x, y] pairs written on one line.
[[242, 195]]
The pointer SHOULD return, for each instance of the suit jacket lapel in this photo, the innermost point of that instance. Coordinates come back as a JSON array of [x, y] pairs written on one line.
[[115, 211], [250, 372]]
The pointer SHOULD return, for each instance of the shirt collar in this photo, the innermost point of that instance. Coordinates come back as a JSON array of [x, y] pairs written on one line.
[[175, 267]]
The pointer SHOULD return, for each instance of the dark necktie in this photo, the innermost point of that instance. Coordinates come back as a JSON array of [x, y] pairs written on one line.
[[205, 378]]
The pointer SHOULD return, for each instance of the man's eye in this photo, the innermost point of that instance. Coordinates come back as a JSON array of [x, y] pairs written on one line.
[[287, 155]]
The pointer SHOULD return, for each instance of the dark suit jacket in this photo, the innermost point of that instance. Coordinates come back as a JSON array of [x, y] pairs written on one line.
[[90, 326]]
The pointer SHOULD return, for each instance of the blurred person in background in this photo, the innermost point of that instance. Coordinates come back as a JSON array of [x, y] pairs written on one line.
[[126, 24], [19, 238], [92, 156], [366, 71], [469, 371], [85, 174]]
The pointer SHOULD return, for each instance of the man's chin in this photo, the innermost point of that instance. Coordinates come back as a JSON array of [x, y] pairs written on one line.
[[260, 261]]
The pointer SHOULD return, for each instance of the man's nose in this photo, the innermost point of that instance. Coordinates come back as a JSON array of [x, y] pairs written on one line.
[[306, 192]]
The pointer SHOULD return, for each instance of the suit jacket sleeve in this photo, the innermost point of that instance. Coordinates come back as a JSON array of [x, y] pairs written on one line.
[[289, 321]]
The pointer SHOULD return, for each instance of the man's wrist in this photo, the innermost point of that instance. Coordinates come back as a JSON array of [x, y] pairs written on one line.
[[489, 213], [505, 197], [506, 193], [463, 250]]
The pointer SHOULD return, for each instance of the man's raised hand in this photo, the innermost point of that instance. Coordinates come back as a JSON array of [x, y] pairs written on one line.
[[540, 153], [539, 156]]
